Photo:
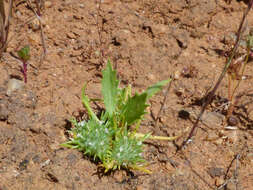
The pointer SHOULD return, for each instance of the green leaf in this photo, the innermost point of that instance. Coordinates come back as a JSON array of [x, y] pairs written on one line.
[[135, 107], [86, 103], [250, 42], [152, 90], [24, 53], [110, 88]]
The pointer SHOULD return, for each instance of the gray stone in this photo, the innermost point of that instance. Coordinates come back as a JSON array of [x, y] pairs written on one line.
[[13, 85]]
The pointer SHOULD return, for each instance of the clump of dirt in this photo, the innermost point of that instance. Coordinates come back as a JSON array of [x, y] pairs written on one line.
[[147, 41]]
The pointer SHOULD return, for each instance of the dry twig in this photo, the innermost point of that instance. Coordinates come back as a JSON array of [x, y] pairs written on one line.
[[164, 100]]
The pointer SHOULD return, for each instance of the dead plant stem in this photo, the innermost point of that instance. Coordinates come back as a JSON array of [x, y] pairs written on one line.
[[2, 19], [100, 29], [38, 15], [242, 72], [222, 75], [6, 28], [164, 100], [236, 173]]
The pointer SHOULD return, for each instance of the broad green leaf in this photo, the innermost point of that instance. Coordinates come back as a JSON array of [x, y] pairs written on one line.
[[152, 90], [135, 107], [24, 53], [110, 88]]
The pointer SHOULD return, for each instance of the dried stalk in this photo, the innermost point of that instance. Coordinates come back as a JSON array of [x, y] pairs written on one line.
[[222, 75], [38, 16], [4, 25], [2, 20]]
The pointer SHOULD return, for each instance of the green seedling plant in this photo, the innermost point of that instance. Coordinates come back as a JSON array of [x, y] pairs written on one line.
[[113, 138], [24, 56]]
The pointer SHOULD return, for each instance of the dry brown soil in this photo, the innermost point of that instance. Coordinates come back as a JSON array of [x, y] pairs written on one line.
[[147, 41]]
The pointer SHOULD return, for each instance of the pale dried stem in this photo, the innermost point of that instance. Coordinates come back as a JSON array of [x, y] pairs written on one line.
[[37, 14], [4, 25]]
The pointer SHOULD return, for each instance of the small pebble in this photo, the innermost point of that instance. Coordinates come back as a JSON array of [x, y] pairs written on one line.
[[45, 163], [18, 14], [177, 75], [71, 35], [179, 91], [34, 25], [14, 85], [218, 141], [219, 181], [232, 121], [151, 77], [48, 4], [78, 17], [15, 173], [81, 5]]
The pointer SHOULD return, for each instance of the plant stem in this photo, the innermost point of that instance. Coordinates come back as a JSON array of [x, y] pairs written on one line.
[[24, 71], [86, 104], [2, 19], [140, 135], [242, 72], [212, 93], [236, 83]]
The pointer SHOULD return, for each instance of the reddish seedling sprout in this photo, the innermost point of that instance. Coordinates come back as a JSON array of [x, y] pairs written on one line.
[[24, 55]]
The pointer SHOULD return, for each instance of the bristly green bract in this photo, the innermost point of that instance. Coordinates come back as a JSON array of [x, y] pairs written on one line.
[[108, 138]]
